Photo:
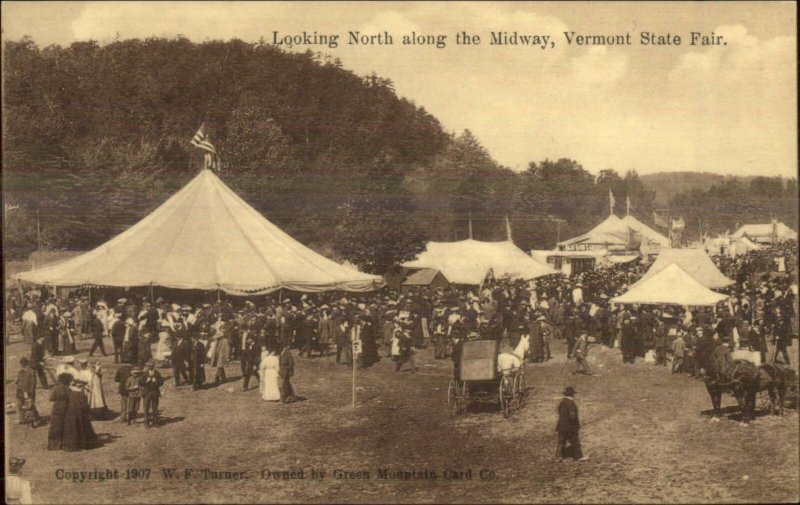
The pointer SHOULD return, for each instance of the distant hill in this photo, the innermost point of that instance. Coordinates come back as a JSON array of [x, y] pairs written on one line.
[[668, 184]]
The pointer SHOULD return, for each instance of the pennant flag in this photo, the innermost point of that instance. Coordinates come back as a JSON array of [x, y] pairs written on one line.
[[611, 201], [508, 230], [660, 220], [200, 140], [628, 205]]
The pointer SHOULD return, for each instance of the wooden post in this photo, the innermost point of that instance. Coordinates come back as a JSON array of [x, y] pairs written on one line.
[[355, 350]]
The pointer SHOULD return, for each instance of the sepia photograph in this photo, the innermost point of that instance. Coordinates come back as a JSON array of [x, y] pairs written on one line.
[[400, 252]]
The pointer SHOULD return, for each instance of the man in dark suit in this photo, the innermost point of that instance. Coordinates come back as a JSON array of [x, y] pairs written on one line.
[[249, 359], [568, 426], [117, 337], [96, 328], [121, 378], [26, 393], [37, 359], [181, 355], [151, 382], [286, 371]]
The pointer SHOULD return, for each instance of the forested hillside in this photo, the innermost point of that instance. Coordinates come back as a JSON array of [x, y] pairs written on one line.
[[95, 137]]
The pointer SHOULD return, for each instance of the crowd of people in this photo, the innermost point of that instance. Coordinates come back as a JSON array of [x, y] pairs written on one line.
[[264, 334]]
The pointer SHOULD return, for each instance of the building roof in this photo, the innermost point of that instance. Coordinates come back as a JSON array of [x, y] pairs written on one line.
[[422, 277], [205, 237]]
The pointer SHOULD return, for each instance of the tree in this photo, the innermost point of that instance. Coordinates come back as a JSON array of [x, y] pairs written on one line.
[[379, 230]]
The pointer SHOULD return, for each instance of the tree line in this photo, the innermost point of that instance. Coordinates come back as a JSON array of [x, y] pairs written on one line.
[[97, 136]]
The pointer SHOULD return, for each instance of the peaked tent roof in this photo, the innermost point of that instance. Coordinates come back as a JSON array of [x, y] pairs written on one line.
[[205, 237], [611, 231], [645, 231], [765, 230], [615, 231], [671, 285], [694, 261], [469, 261]]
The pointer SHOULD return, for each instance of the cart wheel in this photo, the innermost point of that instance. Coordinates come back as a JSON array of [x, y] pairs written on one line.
[[506, 394], [462, 402], [521, 391], [452, 390]]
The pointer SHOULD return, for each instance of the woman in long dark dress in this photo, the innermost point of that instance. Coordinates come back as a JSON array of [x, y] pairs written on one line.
[[78, 431], [59, 396]]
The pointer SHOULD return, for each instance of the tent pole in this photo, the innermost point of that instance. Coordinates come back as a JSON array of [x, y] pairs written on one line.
[[280, 295], [218, 294], [151, 292]]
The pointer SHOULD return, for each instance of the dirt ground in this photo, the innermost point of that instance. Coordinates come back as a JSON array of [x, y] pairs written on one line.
[[646, 432]]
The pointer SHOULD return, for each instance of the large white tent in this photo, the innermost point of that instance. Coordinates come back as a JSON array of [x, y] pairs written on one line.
[[672, 285], [205, 237], [469, 261], [694, 261]]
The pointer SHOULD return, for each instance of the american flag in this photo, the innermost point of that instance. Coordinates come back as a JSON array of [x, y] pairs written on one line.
[[200, 140]]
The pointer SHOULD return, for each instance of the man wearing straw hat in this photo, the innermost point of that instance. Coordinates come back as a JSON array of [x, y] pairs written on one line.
[[18, 490]]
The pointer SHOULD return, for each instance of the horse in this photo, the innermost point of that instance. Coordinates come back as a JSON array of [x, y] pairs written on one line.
[[744, 380], [736, 380], [769, 377], [508, 362]]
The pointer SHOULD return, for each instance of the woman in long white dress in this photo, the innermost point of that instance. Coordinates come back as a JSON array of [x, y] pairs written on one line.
[[97, 399], [268, 373], [165, 329]]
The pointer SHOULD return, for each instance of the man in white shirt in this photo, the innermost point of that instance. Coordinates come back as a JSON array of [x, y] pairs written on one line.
[[18, 490]]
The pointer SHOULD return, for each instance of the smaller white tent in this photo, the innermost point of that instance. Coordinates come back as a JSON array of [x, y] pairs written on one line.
[[729, 246], [670, 286], [743, 246], [694, 261], [470, 261]]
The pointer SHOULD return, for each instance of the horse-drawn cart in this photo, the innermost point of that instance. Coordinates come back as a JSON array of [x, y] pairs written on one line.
[[477, 379]]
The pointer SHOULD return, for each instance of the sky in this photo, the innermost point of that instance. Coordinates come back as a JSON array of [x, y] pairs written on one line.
[[729, 108]]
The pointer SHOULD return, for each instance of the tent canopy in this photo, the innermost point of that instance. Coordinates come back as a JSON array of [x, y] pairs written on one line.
[[469, 261], [671, 286], [694, 261], [205, 237]]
